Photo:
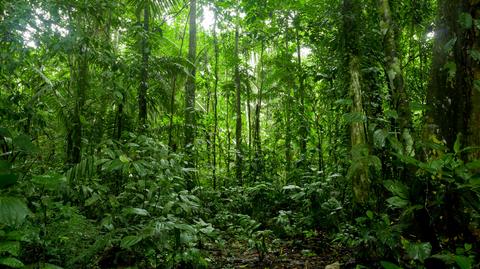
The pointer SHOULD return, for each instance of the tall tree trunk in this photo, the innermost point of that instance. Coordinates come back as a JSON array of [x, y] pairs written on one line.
[[190, 96], [215, 102], [142, 92], [400, 102], [454, 100], [287, 104], [238, 109], [358, 173], [80, 85], [258, 107], [171, 144], [303, 130]]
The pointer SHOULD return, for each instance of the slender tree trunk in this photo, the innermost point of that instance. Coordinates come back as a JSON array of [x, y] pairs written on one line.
[[215, 102], [287, 107], [238, 109], [80, 85], [258, 107], [303, 130], [171, 144], [142, 92], [190, 96], [400, 101]]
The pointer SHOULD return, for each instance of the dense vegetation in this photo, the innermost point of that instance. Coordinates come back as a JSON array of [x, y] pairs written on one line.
[[239, 133]]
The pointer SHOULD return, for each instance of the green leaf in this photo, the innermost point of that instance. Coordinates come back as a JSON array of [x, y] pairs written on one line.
[[467, 247], [130, 241], [449, 45], [11, 262], [391, 114], [124, 159], [7, 180], [51, 266], [354, 117], [50, 181], [379, 137], [466, 20], [136, 211], [13, 211], [369, 214], [396, 188], [457, 145], [24, 143], [11, 247], [463, 262], [418, 251], [475, 54], [397, 202], [389, 265], [476, 85]]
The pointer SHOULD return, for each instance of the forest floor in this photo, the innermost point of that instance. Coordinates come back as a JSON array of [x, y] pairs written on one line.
[[294, 254]]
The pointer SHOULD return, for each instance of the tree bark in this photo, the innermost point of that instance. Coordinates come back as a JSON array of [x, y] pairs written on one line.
[[215, 102], [400, 102], [238, 109], [358, 171], [190, 88], [454, 100], [142, 92]]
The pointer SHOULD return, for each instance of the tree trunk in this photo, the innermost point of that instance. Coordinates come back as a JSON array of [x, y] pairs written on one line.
[[215, 102], [454, 100], [303, 130], [80, 84], [287, 104], [258, 107], [142, 92], [171, 144], [190, 96], [400, 102], [358, 171], [238, 110]]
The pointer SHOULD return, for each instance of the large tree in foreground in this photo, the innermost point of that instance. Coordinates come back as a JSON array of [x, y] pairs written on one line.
[[454, 93]]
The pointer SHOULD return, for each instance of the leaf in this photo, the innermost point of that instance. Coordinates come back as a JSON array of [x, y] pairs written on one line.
[[136, 211], [51, 266], [354, 117], [130, 241], [449, 45], [124, 159], [466, 20], [13, 211], [389, 265], [379, 137], [398, 202], [476, 85], [418, 251], [7, 180], [369, 214], [24, 143], [463, 262], [396, 188], [11, 247], [11, 262], [475, 54], [50, 181]]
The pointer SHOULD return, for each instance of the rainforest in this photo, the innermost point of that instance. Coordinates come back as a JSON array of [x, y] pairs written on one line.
[[240, 134]]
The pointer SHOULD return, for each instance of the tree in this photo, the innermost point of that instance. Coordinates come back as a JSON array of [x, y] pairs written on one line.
[[238, 106], [454, 92], [190, 87], [358, 170]]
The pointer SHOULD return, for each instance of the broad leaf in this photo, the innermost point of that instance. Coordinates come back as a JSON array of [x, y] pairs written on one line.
[[13, 211]]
